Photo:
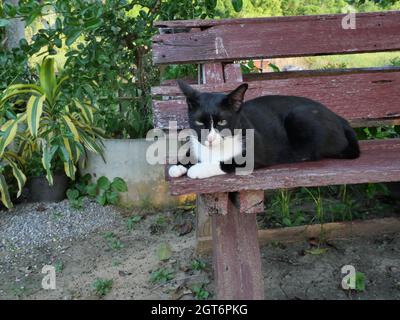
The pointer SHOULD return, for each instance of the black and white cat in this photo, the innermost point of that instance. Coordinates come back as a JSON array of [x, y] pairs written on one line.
[[286, 129]]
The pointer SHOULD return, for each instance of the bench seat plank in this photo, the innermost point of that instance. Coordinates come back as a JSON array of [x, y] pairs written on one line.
[[280, 37], [379, 162]]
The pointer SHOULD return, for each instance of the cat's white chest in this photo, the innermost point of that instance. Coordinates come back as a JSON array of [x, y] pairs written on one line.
[[229, 148]]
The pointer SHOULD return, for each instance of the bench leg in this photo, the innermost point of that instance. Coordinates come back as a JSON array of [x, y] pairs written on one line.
[[236, 254]]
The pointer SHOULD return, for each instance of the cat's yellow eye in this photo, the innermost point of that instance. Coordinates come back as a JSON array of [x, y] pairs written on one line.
[[222, 123], [199, 123]]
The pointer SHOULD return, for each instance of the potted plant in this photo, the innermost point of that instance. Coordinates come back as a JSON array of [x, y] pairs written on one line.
[[45, 123]]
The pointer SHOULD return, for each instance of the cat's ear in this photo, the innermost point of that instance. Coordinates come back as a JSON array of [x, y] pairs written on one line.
[[187, 90], [236, 97]]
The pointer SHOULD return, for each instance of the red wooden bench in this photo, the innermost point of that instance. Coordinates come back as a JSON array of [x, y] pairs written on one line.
[[366, 97]]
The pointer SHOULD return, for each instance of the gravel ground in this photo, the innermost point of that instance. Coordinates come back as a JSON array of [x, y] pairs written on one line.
[[36, 224]]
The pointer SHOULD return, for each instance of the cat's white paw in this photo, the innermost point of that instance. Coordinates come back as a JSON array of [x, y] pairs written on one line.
[[204, 170], [177, 171]]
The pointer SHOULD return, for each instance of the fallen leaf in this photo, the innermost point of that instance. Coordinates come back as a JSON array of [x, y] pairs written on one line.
[[316, 251], [185, 228], [164, 252]]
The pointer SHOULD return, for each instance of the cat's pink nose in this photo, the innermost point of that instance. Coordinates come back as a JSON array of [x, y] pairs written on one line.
[[211, 138]]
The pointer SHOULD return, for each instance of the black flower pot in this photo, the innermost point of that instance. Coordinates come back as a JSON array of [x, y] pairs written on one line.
[[40, 191]]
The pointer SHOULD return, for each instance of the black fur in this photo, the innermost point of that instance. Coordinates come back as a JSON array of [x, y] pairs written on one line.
[[287, 128]]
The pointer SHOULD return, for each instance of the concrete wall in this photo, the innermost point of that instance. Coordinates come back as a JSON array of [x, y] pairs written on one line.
[[126, 158]]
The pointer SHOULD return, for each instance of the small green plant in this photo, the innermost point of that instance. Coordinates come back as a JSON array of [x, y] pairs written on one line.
[[200, 293], [161, 276], [198, 265], [161, 220], [113, 241], [104, 191], [59, 266], [132, 221], [280, 208], [57, 215], [159, 225], [107, 192], [102, 287], [75, 199], [116, 263], [395, 62], [319, 208]]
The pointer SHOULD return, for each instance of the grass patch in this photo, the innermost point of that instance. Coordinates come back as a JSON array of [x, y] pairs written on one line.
[[102, 287]]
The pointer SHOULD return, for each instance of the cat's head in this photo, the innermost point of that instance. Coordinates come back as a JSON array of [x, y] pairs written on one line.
[[213, 112]]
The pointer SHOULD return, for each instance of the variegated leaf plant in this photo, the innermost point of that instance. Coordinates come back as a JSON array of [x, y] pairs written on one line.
[[49, 123]]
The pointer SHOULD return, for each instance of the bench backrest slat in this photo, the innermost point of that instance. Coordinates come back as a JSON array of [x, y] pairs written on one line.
[[365, 99], [277, 37]]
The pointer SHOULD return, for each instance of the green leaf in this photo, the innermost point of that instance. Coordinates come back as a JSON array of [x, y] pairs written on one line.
[[47, 77], [70, 169], [9, 132], [119, 185], [19, 176], [72, 37], [86, 111], [71, 127], [103, 183], [112, 197], [4, 23], [5, 195], [164, 252], [72, 194], [211, 4], [47, 155], [58, 42], [237, 5], [93, 24], [101, 199], [34, 110], [274, 67], [91, 189], [316, 251]]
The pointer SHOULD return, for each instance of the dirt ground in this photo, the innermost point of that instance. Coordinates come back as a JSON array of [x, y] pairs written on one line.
[[290, 271]]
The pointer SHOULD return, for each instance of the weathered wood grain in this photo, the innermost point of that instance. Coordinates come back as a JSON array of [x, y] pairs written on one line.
[[203, 24], [213, 203], [213, 73], [358, 97], [314, 73], [236, 255], [280, 37], [233, 72], [379, 162], [251, 201]]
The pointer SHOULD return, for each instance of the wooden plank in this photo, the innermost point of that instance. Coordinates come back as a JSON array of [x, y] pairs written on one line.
[[277, 37], [233, 72], [251, 201], [331, 231], [379, 162], [360, 98], [202, 24], [313, 73], [236, 256], [213, 73], [213, 203], [203, 220]]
